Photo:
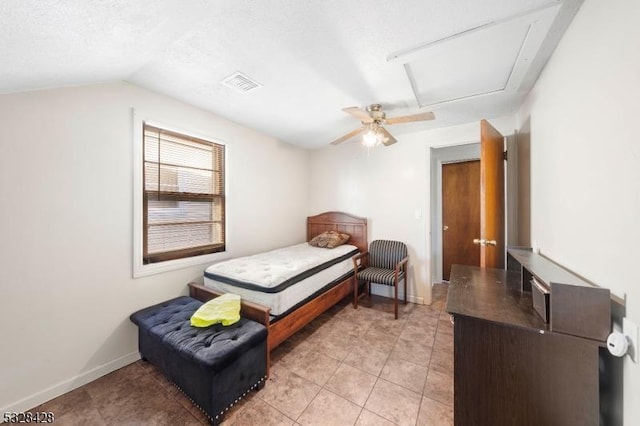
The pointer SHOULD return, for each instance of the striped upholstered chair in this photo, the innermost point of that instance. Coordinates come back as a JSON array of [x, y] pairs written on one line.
[[384, 263]]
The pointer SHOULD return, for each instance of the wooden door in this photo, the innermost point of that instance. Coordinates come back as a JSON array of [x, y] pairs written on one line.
[[460, 214], [491, 241]]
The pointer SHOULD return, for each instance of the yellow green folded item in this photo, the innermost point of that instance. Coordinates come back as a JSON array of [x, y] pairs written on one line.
[[224, 309]]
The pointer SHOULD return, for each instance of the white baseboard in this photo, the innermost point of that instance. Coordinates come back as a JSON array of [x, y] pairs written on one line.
[[387, 291], [69, 384]]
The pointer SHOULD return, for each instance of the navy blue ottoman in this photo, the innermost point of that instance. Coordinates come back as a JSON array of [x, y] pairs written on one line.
[[214, 366]]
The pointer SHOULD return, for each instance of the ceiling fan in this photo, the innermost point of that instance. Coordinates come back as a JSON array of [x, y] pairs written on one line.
[[372, 120]]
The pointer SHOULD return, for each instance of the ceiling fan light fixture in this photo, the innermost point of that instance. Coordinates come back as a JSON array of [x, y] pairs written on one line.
[[373, 136]]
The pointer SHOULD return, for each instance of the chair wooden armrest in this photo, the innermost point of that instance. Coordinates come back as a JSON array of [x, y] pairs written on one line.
[[400, 265], [364, 261]]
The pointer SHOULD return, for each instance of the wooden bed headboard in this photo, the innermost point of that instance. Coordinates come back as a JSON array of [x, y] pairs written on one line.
[[342, 222]]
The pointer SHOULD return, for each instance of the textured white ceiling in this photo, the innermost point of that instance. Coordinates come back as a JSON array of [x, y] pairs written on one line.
[[312, 57]]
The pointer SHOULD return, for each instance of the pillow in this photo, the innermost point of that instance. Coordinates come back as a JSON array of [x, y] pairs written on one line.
[[223, 309], [329, 239]]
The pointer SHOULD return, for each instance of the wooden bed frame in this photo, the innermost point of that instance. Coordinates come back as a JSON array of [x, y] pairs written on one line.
[[279, 331]]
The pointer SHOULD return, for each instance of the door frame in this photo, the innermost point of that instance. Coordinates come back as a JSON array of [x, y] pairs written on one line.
[[438, 157]]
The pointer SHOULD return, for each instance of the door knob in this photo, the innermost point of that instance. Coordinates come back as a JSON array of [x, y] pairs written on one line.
[[444, 228], [491, 243]]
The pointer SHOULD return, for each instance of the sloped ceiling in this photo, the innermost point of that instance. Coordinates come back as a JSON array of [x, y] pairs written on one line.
[[464, 60]]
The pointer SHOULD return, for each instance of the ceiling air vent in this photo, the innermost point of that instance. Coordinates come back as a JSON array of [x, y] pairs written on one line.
[[240, 82]]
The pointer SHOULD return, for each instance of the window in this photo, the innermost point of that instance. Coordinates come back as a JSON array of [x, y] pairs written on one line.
[[183, 202]]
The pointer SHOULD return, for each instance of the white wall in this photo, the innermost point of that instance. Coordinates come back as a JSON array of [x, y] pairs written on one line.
[[388, 186], [585, 183], [66, 287]]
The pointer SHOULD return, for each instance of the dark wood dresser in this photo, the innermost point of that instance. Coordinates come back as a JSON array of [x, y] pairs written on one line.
[[510, 367]]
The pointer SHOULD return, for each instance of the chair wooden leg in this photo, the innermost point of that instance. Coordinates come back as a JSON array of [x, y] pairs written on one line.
[[355, 292], [405, 288], [395, 300]]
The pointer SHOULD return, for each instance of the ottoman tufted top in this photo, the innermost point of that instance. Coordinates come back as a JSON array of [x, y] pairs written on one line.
[[212, 347]]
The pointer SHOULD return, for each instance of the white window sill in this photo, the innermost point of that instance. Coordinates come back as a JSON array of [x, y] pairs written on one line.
[[140, 270]]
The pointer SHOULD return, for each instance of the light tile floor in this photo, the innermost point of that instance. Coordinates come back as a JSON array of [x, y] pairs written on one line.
[[347, 367]]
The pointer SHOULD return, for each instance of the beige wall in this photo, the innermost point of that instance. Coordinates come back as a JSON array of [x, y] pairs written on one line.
[[585, 158], [391, 187], [66, 287]]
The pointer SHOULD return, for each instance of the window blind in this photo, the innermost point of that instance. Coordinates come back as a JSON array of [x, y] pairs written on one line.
[[184, 200]]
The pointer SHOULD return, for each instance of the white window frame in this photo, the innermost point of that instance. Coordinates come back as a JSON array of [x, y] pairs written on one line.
[[139, 268]]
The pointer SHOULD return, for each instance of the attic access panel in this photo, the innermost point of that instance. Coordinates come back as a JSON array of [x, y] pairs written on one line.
[[491, 58]]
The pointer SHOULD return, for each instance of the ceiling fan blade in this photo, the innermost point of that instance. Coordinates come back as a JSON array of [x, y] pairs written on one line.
[[348, 136], [390, 140], [423, 116], [358, 113]]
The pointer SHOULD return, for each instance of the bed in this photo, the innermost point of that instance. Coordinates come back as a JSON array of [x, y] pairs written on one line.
[[282, 279], [291, 316]]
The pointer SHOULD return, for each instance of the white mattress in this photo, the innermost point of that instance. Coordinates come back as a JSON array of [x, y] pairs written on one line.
[[265, 272]]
